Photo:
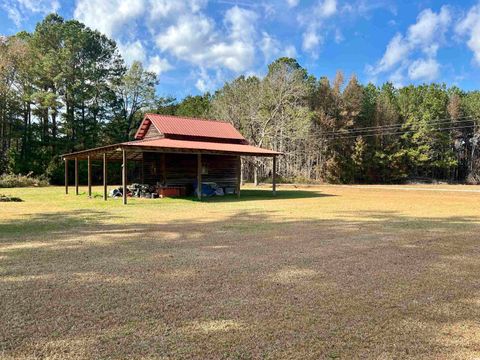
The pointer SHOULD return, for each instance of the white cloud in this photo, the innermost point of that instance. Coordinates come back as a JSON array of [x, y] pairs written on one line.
[[429, 29], [470, 26], [206, 82], [203, 84], [397, 50], [326, 8], [161, 9], [241, 23], [424, 69], [40, 6], [339, 36], [18, 10], [188, 37], [365, 8], [272, 48], [290, 51], [310, 40], [129, 21], [155, 31], [292, 3], [269, 46], [397, 78], [237, 56], [109, 16], [313, 21], [158, 65], [13, 14], [119, 16], [426, 36], [194, 38], [132, 51], [163, 13]]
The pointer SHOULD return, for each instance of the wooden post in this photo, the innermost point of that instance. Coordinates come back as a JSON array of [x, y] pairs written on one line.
[[199, 176], [242, 169], [105, 176], [143, 169], [124, 176], [164, 170], [89, 170], [76, 176], [66, 176], [239, 175], [274, 184]]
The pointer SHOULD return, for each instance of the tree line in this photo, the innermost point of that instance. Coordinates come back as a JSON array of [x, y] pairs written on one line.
[[346, 132], [65, 87]]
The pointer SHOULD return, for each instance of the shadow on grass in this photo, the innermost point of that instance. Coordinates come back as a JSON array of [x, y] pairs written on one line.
[[52, 223], [249, 284], [263, 194], [249, 195]]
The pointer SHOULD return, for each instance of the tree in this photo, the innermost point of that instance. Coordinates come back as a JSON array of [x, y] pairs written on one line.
[[271, 112], [239, 102], [60, 93], [12, 53], [471, 105], [359, 159], [429, 150], [324, 106], [386, 165], [165, 105], [136, 92], [194, 106]]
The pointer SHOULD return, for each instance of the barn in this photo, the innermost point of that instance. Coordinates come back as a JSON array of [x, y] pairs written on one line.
[[174, 152]]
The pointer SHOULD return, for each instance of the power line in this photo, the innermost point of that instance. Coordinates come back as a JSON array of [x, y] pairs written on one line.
[[403, 132], [367, 130], [393, 127], [382, 129]]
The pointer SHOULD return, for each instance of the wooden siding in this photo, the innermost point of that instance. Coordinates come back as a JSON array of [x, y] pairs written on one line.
[[204, 138], [153, 168], [152, 133], [222, 170], [181, 169]]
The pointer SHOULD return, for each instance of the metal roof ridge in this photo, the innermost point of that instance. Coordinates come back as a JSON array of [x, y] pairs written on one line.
[[191, 118], [142, 140]]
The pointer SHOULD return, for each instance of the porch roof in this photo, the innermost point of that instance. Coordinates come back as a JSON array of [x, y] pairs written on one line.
[[166, 145]]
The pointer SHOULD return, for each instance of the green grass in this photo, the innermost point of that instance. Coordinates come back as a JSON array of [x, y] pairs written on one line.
[[317, 272]]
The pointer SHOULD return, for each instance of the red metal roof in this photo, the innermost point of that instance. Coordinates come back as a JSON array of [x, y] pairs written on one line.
[[185, 126], [202, 146]]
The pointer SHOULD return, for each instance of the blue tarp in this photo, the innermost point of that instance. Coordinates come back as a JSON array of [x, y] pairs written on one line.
[[207, 189]]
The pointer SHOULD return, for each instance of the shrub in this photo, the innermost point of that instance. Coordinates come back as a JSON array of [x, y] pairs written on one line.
[[19, 180], [473, 179], [55, 171], [7, 198], [290, 180]]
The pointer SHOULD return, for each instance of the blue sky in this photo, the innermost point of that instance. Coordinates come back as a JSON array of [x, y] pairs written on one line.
[[197, 45]]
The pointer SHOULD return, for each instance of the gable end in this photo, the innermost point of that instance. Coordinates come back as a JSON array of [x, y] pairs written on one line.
[[147, 130], [152, 132]]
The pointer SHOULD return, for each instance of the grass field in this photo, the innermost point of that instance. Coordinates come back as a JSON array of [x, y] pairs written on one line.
[[320, 272]]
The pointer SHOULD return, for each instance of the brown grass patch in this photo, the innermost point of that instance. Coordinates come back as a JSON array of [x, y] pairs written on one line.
[[317, 273]]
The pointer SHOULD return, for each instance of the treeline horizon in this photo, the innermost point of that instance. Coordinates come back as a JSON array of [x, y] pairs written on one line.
[[65, 87]]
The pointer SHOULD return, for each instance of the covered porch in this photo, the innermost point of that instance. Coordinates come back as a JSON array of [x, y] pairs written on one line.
[[169, 163]]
